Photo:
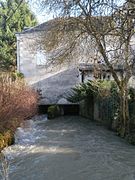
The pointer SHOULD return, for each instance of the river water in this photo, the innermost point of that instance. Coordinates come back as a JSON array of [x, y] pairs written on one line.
[[68, 148]]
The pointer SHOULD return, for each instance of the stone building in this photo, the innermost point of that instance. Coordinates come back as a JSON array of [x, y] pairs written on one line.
[[98, 71], [53, 78]]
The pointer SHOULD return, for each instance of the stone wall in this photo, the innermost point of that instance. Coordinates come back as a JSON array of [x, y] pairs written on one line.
[[87, 109], [97, 110], [53, 79]]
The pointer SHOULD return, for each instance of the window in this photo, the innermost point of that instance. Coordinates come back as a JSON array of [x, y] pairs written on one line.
[[41, 58]]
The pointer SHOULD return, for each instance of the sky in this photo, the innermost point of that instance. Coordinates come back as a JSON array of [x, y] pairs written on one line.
[[42, 16]]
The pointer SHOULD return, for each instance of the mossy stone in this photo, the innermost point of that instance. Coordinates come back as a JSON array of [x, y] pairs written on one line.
[[53, 111]]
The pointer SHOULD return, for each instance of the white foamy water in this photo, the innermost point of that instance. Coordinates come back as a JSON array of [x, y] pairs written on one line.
[[68, 148]]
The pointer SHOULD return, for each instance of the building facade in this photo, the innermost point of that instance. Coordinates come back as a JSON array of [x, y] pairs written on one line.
[[55, 79]]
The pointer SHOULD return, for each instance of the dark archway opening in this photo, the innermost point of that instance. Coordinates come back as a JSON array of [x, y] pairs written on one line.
[[69, 109]]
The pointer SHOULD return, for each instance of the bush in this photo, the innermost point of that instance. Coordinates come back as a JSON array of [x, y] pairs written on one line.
[[17, 102], [16, 75], [105, 95], [53, 111]]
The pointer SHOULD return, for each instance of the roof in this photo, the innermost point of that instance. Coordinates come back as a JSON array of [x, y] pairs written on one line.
[[46, 26], [90, 67], [69, 22], [41, 27]]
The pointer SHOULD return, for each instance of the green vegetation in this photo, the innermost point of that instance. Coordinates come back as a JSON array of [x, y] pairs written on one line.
[[53, 111], [14, 16], [98, 88], [83, 91], [106, 96], [6, 139]]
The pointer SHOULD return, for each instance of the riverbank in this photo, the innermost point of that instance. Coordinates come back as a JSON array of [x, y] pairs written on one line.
[[7, 131], [17, 103], [6, 139]]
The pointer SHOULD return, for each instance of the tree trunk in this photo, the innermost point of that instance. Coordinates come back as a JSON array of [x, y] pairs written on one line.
[[124, 119]]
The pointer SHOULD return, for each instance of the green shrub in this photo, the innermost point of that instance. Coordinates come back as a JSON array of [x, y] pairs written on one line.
[[16, 75], [53, 111], [6, 139]]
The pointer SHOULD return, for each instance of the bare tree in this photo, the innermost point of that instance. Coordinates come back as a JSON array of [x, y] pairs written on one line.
[[111, 29]]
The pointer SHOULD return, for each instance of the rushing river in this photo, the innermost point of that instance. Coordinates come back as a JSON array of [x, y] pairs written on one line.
[[69, 148]]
